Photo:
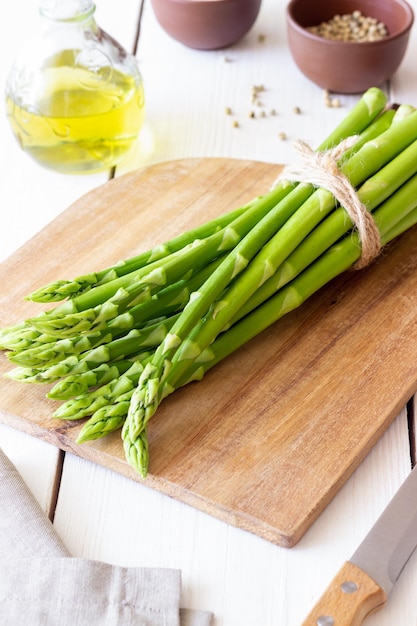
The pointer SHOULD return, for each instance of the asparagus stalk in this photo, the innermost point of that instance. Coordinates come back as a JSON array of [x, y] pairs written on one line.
[[87, 403], [106, 420], [121, 348], [370, 105], [71, 365], [74, 365], [77, 384], [22, 336], [50, 353]]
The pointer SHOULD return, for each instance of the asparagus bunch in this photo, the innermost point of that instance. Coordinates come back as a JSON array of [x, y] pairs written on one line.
[[128, 336]]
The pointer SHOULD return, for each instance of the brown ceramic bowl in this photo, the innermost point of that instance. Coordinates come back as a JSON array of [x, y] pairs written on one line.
[[206, 24], [348, 67]]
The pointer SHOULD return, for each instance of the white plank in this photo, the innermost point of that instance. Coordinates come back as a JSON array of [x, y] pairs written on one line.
[[401, 608], [119, 20], [403, 83], [38, 463]]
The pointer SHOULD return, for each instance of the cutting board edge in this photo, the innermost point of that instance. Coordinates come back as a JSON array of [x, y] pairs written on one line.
[[238, 519], [282, 537]]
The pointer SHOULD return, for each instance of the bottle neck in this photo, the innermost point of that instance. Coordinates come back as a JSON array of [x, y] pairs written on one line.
[[67, 10]]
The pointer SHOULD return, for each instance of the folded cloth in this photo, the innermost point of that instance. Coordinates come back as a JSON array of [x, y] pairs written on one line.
[[25, 530], [42, 585]]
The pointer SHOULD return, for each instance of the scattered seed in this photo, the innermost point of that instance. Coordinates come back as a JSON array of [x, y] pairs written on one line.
[[327, 98], [329, 101], [273, 112], [282, 136], [235, 124], [251, 114], [228, 111], [261, 38], [297, 110]]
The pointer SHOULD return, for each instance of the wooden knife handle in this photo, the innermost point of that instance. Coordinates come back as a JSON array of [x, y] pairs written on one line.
[[350, 597]]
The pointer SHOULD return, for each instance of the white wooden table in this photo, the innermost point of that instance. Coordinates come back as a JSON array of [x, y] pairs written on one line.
[[243, 579]]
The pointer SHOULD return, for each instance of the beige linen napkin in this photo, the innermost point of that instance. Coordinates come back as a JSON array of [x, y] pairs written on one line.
[[42, 585]]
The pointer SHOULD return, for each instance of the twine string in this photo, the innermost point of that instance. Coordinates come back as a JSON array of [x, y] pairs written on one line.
[[321, 170]]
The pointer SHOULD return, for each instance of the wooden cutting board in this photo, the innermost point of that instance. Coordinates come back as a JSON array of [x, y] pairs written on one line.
[[270, 435]]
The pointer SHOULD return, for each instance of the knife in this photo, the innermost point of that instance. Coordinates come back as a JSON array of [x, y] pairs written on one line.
[[366, 579]]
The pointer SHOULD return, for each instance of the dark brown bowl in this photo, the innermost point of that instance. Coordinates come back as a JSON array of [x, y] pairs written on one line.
[[206, 24], [348, 67]]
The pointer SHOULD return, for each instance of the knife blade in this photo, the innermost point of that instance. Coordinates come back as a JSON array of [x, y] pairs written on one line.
[[364, 582]]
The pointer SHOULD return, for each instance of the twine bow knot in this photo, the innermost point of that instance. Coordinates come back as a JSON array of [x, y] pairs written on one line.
[[321, 169]]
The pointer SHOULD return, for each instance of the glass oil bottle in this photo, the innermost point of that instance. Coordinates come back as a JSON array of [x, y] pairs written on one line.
[[74, 96]]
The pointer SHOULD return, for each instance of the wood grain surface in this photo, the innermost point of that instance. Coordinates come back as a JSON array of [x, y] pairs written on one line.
[[271, 434]]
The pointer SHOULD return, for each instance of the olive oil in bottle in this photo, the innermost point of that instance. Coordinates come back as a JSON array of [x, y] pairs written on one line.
[[76, 109]]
